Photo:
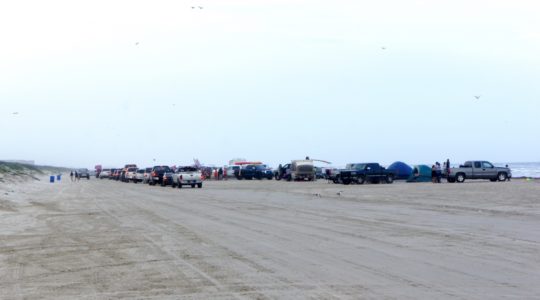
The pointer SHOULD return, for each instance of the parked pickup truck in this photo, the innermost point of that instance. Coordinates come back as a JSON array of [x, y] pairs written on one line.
[[254, 171], [477, 169], [362, 172], [156, 177], [187, 176]]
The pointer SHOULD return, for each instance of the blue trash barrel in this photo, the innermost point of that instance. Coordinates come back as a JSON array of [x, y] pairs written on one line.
[[52, 179], [58, 177]]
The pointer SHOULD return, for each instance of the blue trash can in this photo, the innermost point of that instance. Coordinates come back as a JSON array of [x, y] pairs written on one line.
[[52, 179], [58, 177]]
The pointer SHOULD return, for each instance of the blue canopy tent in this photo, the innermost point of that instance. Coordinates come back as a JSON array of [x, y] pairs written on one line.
[[420, 173], [401, 170]]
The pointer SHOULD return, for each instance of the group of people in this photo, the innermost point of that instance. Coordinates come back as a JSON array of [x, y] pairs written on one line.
[[76, 175], [214, 173], [436, 172], [220, 174]]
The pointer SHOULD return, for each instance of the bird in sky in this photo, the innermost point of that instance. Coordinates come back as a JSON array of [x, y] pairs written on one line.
[[16, 113], [383, 48], [137, 44], [477, 97]]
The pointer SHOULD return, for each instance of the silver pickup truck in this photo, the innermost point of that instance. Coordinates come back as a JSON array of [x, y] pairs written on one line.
[[477, 169], [187, 176]]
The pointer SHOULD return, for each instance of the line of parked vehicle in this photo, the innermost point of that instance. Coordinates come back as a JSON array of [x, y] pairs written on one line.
[[374, 173], [358, 173], [162, 175]]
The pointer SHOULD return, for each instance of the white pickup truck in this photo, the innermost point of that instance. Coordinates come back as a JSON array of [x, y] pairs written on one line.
[[187, 176]]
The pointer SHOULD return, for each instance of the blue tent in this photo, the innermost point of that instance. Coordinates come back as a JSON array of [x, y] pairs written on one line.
[[420, 173], [401, 170]]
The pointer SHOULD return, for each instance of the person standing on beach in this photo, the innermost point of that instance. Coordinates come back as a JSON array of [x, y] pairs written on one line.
[[438, 172], [71, 176], [220, 173], [433, 173], [76, 176]]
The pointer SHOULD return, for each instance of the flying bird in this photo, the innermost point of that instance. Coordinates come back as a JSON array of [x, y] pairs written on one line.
[[16, 113], [137, 44], [477, 97], [383, 48]]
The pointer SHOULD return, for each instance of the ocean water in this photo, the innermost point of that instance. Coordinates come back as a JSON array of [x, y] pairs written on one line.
[[530, 169]]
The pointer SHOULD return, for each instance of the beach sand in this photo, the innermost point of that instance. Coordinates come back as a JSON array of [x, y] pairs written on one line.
[[100, 239]]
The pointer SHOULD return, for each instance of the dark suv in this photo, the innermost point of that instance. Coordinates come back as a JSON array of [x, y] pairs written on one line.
[[83, 173], [156, 176], [254, 171]]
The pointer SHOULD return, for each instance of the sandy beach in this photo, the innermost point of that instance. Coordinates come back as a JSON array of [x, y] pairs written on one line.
[[100, 239]]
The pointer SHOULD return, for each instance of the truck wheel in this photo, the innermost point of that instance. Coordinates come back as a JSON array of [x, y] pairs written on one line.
[[493, 179], [199, 185], [460, 177], [389, 179], [346, 181], [502, 176], [192, 186], [451, 180], [361, 179]]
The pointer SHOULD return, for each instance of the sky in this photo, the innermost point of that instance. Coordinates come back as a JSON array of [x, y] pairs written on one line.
[[158, 82]]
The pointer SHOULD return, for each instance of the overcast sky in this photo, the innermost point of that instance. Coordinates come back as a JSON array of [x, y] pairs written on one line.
[[115, 82]]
